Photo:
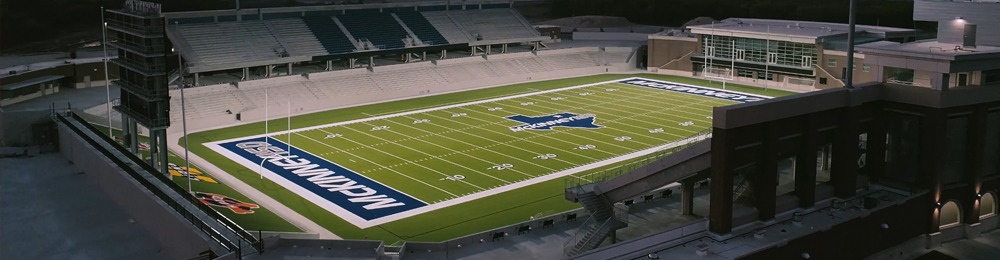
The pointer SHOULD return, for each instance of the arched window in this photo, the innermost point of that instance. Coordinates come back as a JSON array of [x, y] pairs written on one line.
[[987, 205], [951, 215]]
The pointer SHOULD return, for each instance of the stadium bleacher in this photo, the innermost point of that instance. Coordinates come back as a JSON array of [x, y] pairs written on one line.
[[380, 28], [230, 42], [329, 34], [218, 44], [322, 90], [446, 26], [493, 24], [422, 28], [296, 37]]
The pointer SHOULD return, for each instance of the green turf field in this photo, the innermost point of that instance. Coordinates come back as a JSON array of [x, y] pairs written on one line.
[[472, 157]]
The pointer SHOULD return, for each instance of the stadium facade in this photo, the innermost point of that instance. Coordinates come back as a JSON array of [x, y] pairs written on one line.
[[796, 55], [910, 155]]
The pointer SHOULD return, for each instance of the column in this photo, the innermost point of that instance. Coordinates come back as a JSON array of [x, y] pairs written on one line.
[[197, 78], [844, 174], [805, 165], [289, 68], [720, 214], [687, 197]]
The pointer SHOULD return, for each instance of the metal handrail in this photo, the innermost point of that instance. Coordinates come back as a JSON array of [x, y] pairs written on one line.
[[204, 227], [579, 181]]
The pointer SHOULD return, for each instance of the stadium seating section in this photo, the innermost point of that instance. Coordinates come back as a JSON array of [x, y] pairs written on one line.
[[329, 35], [322, 90], [380, 28], [306, 35], [421, 28]]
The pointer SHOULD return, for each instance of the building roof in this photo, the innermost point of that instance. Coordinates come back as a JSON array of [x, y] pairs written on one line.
[[800, 30], [31, 82], [929, 49]]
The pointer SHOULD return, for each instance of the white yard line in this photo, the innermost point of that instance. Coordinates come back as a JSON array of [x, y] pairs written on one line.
[[527, 139], [440, 157], [656, 110], [478, 148], [619, 119], [408, 161], [569, 132], [422, 110], [369, 161]]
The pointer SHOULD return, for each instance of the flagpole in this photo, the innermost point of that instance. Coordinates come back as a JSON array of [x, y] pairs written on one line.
[[180, 81], [107, 82], [767, 57], [289, 124], [266, 143]]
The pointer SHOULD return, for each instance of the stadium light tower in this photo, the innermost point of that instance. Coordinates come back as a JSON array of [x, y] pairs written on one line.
[[107, 81]]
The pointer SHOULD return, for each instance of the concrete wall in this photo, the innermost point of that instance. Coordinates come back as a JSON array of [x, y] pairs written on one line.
[[15, 127], [950, 30], [178, 238], [675, 50]]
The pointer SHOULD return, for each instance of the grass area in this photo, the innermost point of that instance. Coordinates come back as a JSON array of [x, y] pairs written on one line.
[[260, 219], [483, 141]]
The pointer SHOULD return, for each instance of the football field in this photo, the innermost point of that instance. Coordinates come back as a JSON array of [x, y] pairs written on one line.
[[383, 168]]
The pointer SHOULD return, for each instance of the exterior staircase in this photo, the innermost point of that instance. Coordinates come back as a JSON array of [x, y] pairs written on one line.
[[604, 220]]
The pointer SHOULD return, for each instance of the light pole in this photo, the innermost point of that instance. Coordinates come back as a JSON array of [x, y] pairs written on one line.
[[180, 81], [107, 82]]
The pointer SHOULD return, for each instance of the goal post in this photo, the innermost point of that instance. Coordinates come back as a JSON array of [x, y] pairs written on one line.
[[713, 73]]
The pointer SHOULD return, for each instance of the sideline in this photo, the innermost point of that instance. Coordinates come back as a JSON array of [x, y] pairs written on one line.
[[293, 217]]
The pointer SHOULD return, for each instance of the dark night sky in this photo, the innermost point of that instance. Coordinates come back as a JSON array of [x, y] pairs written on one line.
[[36, 25]]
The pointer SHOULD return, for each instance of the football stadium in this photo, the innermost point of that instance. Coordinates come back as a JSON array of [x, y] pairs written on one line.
[[467, 130]]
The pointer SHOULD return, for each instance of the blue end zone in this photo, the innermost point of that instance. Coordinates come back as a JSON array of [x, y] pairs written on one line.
[[695, 90], [347, 189]]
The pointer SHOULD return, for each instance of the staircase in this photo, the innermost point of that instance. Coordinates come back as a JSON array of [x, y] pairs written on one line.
[[743, 190], [604, 220]]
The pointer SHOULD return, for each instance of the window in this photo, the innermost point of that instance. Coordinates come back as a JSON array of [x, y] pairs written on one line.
[[902, 147], [807, 61], [745, 73], [822, 81], [957, 136], [761, 75], [786, 176], [991, 76], [992, 141], [831, 62], [866, 68], [710, 51], [741, 54], [772, 58], [950, 216], [987, 206]]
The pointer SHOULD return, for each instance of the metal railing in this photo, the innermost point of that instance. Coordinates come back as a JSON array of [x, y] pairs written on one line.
[[578, 181], [217, 235], [620, 215]]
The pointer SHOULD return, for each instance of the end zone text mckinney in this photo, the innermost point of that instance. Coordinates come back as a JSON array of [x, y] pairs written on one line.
[[346, 189]]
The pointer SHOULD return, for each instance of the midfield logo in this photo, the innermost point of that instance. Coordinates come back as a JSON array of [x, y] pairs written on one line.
[[550, 121]]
